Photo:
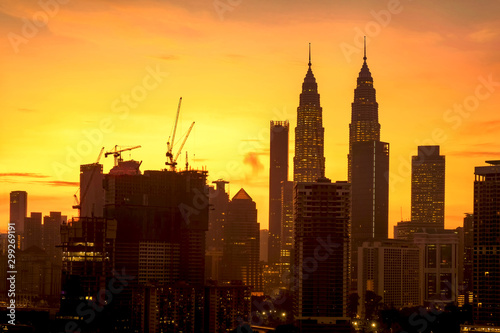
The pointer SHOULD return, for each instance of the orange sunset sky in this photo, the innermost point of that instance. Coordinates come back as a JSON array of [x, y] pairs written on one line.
[[79, 75]]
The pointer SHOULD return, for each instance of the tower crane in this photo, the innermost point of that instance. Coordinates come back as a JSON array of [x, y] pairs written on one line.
[[117, 154], [171, 159]]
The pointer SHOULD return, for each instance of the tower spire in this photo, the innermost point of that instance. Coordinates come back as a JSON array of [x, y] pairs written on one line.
[[309, 55], [364, 58]]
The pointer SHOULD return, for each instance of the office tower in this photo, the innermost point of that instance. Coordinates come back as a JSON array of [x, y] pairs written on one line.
[[486, 255], [309, 160], [368, 168], [91, 190], [33, 231], [427, 186], [321, 259], [241, 242], [390, 269], [218, 200], [278, 172], [18, 209], [286, 227], [439, 266]]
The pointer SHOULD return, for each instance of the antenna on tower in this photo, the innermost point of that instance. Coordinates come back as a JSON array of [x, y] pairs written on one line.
[[309, 55], [364, 58]]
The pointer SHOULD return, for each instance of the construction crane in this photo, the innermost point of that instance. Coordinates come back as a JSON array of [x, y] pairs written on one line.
[[84, 193], [171, 160], [117, 154]]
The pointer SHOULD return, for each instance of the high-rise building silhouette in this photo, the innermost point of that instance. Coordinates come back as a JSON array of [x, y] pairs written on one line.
[[309, 159], [91, 190], [321, 258], [217, 215], [18, 212], [242, 242], [33, 231], [368, 168], [278, 172], [427, 186], [468, 258], [486, 254]]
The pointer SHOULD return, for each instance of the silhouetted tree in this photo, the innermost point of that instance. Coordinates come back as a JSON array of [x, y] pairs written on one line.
[[372, 302]]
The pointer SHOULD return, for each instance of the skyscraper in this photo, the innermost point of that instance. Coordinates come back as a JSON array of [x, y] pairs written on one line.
[[427, 186], [18, 210], [321, 258], [242, 242], [309, 159], [486, 254], [368, 167], [278, 172]]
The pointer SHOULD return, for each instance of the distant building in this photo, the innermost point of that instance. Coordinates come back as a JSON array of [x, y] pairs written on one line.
[[486, 253], [264, 245], [18, 212], [18, 209], [391, 269], [309, 159], [439, 266], [406, 229], [321, 256], [368, 168], [278, 173], [241, 242], [33, 231], [217, 215], [427, 186]]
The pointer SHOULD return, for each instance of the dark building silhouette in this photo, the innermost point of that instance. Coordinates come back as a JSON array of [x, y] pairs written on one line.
[[427, 186], [18, 212], [217, 215], [321, 259], [91, 190], [278, 172], [88, 268], [309, 159], [33, 231], [486, 253], [368, 168], [241, 242]]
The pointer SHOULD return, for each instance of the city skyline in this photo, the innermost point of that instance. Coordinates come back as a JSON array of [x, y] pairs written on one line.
[[66, 78]]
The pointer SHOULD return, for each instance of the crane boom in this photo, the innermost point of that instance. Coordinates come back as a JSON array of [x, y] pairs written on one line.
[[183, 142], [117, 154]]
